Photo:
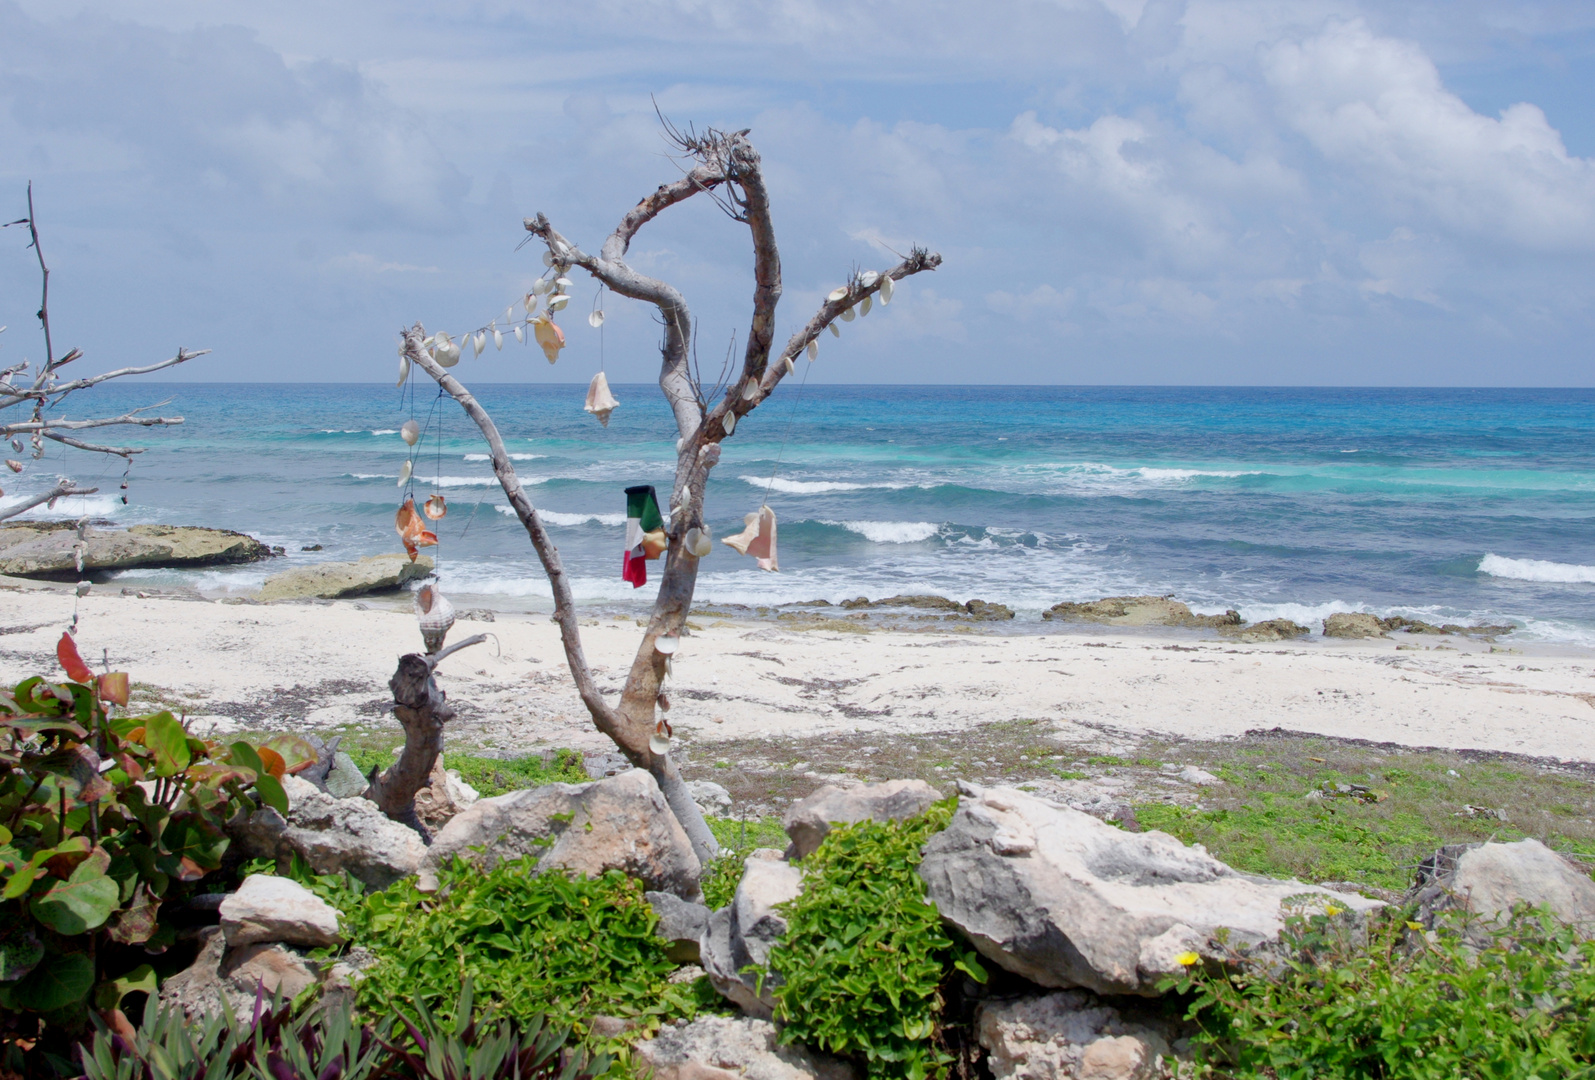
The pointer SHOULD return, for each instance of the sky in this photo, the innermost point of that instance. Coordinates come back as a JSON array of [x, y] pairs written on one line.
[[1290, 192]]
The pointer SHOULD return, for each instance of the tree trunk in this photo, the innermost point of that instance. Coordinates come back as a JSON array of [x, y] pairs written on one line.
[[422, 709]]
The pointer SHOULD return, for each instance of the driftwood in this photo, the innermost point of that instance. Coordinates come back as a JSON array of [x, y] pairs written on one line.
[[727, 169]]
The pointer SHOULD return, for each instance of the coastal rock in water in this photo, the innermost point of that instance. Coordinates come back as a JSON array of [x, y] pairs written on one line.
[[681, 922], [618, 823], [271, 908], [1065, 900], [743, 932], [808, 822], [734, 1048], [1353, 624], [1139, 611], [928, 603], [45, 549], [987, 611], [332, 835], [1488, 879], [328, 581], [1072, 1035], [1270, 630]]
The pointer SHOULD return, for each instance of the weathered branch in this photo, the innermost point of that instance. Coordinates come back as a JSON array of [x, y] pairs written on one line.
[[61, 490], [115, 451], [44, 427], [423, 710], [434, 659]]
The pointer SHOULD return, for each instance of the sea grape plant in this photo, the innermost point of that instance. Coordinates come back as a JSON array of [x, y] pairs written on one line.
[[99, 816]]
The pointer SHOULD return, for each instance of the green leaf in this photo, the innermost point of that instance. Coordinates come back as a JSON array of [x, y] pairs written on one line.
[[80, 903], [241, 753], [20, 950], [58, 981], [165, 735], [270, 790], [109, 994]]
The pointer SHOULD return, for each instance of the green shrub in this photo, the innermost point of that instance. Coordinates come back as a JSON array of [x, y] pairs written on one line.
[[570, 947], [1411, 1006], [494, 776], [865, 955]]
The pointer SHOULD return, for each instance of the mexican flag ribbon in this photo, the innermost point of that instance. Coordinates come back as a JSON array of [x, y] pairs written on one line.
[[645, 534]]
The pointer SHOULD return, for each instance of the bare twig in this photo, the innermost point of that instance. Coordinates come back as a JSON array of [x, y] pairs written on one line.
[[61, 490]]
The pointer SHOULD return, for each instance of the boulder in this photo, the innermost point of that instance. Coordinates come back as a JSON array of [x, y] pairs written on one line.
[[330, 580], [986, 610], [45, 549], [734, 1048], [921, 601], [808, 822], [222, 977], [712, 798], [1139, 611], [1065, 900], [333, 835], [1072, 1035], [1488, 879], [344, 779], [1353, 624], [1269, 630], [271, 908], [444, 796], [743, 932], [681, 922], [619, 823]]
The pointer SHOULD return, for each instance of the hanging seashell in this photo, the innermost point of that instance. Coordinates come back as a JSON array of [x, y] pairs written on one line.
[[548, 258], [435, 614], [541, 286], [863, 306], [481, 341], [557, 302], [663, 701], [681, 444], [401, 346], [596, 318], [836, 331], [448, 354], [14, 466], [435, 508], [549, 336], [868, 278], [498, 340], [600, 402], [564, 283], [838, 294], [83, 588], [791, 368], [887, 286], [520, 335], [751, 390], [848, 314], [729, 422], [16, 444], [814, 350], [659, 743], [404, 373], [410, 432], [666, 646], [699, 542], [509, 314], [413, 533], [404, 473]]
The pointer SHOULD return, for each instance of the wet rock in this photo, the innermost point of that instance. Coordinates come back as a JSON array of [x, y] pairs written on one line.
[[1269, 630], [808, 822], [743, 932], [987, 611], [1488, 879], [330, 580], [618, 823], [1353, 624], [45, 549], [734, 1048], [681, 922], [1139, 611], [1073, 1035], [332, 835], [1066, 900], [925, 603], [271, 908]]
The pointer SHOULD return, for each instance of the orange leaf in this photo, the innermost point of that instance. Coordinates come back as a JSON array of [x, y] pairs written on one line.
[[66, 651], [273, 761], [114, 688]]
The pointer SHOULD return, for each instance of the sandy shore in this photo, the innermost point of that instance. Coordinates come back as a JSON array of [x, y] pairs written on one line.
[[325, 666]]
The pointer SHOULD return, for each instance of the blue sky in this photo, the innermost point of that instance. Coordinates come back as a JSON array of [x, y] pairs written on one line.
[[1124, 191]]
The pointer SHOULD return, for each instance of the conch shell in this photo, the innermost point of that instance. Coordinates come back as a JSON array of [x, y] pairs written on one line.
[[549, 336], [411, 530], [435, 507], [435, 614], [758, 539], [600, 402]]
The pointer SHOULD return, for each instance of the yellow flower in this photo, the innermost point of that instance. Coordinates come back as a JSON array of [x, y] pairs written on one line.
[[1187, 959], [1331, 910], [1414, 925]]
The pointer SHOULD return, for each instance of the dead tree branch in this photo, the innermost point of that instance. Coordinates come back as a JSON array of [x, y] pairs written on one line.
[[61, 490]]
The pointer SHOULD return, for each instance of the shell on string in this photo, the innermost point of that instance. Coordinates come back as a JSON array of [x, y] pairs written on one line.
[[404, 473], [681, 444], [751, 390], [836, 331], [667, 645], [410, 432], [837, 294], [549, 336], [600, 402], [864, 306], [509, 314], [659, 743], [401, 346], [435, 614], [548, 258], [887, 287], [699, 542], [481, 341], [849, 314], [557, 302], [447, 353], [729, 421], [595, 318], [868, 278], [564, 283], [436, 507], [16, 444], [814, 349], [791, 368], [520, 335], [404, 373], [498, 340], [541, 286]]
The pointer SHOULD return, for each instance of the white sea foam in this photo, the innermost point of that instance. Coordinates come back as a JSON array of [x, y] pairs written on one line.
[[386, 431], [513, 457], [889, 532], [372, 476], [466, 481], [1177, 475], [819, 487], [75, 507], [1537, 570], [556, 517]]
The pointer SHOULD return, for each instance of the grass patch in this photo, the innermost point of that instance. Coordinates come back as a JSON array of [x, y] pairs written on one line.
[[491, 776], [737, 840]]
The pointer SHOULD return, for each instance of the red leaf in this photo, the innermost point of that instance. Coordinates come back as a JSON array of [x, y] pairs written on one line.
[[66, 651]]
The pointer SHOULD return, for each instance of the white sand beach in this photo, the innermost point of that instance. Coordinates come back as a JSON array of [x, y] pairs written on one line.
[[325, 665]]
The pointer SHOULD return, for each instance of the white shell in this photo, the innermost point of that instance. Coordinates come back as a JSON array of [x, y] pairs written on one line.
[[729, 422], [541, 286], [435, 618], [681, 444], [814, 350], [563, 283], [666, 646], [481, 341], [404, 369], [659, 743], [887, 285], [751, 390], [868, 278], [836, 331], [699, 542], [509, 313], [448, 354], [791, 368], [849, 314], [520, 335], [838, 294], [596, 319], [401, 347], [863, 306], [557, 302], [410, 432], [498, 339], [548, 258], [404, 473], [600, 402]]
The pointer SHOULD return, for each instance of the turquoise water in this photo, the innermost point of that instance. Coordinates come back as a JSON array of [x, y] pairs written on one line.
[[1453, 504]]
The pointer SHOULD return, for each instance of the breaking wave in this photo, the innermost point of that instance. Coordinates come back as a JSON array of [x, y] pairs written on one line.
[[1537, 570]]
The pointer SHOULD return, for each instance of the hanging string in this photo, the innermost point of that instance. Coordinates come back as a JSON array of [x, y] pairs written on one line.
[[791, 416]]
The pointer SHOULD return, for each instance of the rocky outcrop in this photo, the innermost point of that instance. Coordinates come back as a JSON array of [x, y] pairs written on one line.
[[733, 1048], [1066, 900], [45, 549], [808, 822], [619, 823], [230, 977], [1269, 630], [1139, 611], [332, 835], [1489, 879], [330, 580], [984, 610], [743, 932], [269, 908], [1353, 624], [712, 798], [681, 922], [444, 797], [1072, 1035], [987, 611]]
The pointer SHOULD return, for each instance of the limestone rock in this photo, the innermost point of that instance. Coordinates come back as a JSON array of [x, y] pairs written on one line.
[[1065, 900], [333, 835], [681, 922], [1139, 611], [1270, 630], [345, 780], [1072, 1035], [619, 823], [330, 580], [221, 977], [712, 798], [734, 1048], [927, 603], [744, 932], [271, 908], [1488, 879], [808, 822], [1353, 624], [44, 549], [444, 796]]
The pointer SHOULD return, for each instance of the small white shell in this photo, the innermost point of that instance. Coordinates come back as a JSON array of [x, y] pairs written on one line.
[[659, 743], [814, 349], [791, 368], [863, 306], [666, 646], [410, 432], [498, 339], [447, 354], [868, 278], [541, 286], [557, 302], [402, 344], [596, 319], [887, 285], [520, 335], [837, 294], [509, 314], [681, 445], [563, 283], [481, 341], [750, 390], [836, 331], [404, 369], [699, 542], [849, 314], [548, 258], [404, 473], [729, 422]]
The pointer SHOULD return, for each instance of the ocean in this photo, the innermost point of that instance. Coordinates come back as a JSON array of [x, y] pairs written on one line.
[[1448, 505]]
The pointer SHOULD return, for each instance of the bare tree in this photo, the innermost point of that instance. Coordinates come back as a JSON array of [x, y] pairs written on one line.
[[41, 391], [725, 168]]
